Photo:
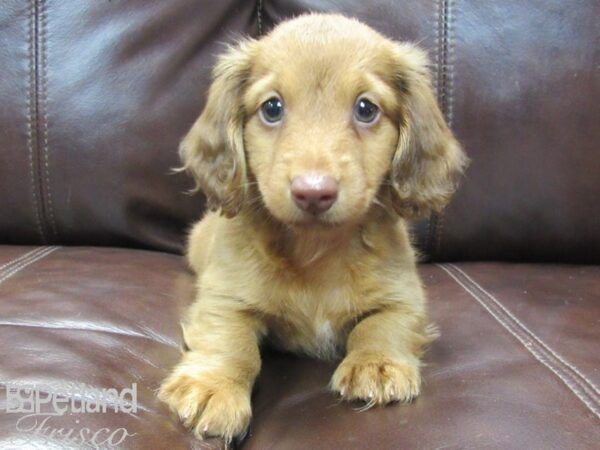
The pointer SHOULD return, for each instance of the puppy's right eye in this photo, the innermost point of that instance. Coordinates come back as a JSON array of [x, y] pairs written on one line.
[[365, 111], [271, 111]]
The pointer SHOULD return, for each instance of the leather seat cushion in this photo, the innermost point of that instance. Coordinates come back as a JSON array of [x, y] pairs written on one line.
[[517, 365]]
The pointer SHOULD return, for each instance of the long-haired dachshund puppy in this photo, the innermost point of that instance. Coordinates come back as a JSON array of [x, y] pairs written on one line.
[[316, 144]]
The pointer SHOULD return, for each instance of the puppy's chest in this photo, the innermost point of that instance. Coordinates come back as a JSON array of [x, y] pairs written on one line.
[[314, 319]]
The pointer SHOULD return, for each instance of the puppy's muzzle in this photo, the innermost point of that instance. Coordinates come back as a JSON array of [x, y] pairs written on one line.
[[314, 193]]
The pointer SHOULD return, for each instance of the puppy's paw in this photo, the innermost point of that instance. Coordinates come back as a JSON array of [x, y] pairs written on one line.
[[210, 404], [376, 378]]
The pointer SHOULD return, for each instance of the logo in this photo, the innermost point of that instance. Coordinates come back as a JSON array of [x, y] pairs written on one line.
[[39, 405]]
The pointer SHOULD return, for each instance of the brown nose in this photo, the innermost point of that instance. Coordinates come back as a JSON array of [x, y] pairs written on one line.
[[314, 193]]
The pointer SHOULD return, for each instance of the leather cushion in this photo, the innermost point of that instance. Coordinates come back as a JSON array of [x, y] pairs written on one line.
[[516, 365]]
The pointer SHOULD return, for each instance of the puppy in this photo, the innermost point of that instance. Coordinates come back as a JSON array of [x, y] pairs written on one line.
[[316, 144]]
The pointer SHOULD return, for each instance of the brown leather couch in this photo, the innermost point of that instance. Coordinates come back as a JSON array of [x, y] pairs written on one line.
[[94, 97]]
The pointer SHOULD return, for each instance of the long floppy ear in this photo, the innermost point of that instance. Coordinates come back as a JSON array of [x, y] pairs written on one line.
[[213, 150], [428, 160]]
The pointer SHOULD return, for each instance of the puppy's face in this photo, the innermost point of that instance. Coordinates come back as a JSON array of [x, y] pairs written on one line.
[[322, 123], [326, 116]]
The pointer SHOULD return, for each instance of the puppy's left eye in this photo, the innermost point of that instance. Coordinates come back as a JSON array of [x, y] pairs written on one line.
[[271, 111], [366, 111]]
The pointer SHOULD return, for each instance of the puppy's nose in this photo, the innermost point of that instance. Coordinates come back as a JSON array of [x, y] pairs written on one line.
[[314, 193]]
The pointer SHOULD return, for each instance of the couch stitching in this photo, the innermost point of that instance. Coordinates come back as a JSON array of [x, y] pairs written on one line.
[[31, 117], [442, 83], [17, 268], [538, 339], [259, 12], [436, 55], [438, 235], [436, 83], [585, 397], [537, 353], [590, 388], [20, 258], [431, 222], [450, 45], [439, 220], [447, 98], [43, 101]]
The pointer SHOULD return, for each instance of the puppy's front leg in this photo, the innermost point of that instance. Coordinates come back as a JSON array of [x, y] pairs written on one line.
[[210, 388], [382, 361]]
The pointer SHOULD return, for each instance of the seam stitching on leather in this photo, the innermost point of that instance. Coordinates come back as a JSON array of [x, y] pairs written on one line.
[[539, 353], [39, 171], [17, 268], [442, 83], [447, 97], [43, 102], [259, 11], [532, 343], [449, 87], [525, 328], [436, 84], [6, 266], [31, 118], [436, 55]]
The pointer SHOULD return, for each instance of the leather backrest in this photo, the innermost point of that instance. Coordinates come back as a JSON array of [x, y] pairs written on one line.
[[96, 96]]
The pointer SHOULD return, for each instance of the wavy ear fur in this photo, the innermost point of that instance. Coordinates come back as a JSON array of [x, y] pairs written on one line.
[[213, 149], [428, 160]]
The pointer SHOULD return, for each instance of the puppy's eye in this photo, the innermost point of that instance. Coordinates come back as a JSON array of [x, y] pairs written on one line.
[[366, 111], [271, 111]]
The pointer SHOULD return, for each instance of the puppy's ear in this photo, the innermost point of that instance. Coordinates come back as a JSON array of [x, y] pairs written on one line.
[[213, 150], [428, 160]]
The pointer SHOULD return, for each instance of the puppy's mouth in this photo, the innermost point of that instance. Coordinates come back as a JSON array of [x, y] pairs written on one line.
[[315, 221]]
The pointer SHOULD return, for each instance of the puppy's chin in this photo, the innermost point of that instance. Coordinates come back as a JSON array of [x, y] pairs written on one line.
[[314, 223], [294, 218], [300, 221]]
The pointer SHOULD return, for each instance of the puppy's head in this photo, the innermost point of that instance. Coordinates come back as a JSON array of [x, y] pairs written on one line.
[[325, 116]]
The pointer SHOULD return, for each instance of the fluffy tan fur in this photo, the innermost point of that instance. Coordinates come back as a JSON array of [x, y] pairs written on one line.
[[344, 284]]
